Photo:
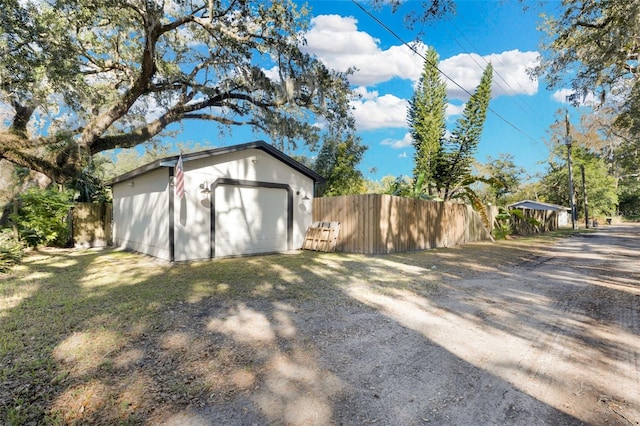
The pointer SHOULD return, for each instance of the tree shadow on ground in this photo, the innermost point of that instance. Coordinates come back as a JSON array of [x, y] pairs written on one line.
[[294, 339]]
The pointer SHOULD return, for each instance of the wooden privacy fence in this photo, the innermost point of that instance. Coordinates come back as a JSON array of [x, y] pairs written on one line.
[[548, 220], [91, 225], [377, 224]]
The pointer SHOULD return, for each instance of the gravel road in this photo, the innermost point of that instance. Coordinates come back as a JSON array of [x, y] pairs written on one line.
[[550, 336]]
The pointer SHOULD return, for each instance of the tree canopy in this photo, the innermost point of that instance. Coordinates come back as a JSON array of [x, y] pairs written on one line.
[[427, 120], [600, 185], [458, 151], [504, 170], [424, 12], [337, 162], [81, 77], [594, 46], [591, 149], [442, 163]]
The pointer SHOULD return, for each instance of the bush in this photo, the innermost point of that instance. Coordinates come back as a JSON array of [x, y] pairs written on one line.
[[502, 224], [11, 251], [502, 230], [42, 217]]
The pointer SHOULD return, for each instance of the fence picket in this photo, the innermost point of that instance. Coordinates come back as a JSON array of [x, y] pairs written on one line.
[[379, 223], [91, 225]]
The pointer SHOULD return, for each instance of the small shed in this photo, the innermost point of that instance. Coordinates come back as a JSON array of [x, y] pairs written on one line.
[[550, 215], [238, 200]]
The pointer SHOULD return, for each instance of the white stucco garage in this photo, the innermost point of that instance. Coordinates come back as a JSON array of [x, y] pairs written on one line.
[[239, 200]]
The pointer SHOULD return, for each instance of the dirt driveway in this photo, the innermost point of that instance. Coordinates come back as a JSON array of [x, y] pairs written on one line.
[[549, 335]]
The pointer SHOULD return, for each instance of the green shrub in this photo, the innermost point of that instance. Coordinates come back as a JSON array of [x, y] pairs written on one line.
[[502, 230], [11, 251], [502, 224], [42, 217]]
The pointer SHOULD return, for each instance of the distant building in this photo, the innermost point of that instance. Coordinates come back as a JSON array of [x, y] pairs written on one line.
[[564, 213]]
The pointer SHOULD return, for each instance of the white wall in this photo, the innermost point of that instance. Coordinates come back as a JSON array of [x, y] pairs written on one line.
[[564, 218], [141, 214], [192, 213], [191, 218]]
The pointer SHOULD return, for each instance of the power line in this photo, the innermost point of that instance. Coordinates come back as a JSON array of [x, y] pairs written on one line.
[[519, 102], [414, 50]]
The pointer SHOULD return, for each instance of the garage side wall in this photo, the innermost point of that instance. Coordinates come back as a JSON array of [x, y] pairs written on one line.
[[193, 213], [140, 214]]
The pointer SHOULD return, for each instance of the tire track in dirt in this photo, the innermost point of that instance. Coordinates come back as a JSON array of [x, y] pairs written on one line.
[[594, 333], [553, 339]]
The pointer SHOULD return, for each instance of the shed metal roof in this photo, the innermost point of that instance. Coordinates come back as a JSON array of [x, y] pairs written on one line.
[[261, 145], [537, 205]]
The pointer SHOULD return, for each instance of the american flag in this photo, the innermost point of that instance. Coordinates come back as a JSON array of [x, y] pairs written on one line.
[[179, 178]]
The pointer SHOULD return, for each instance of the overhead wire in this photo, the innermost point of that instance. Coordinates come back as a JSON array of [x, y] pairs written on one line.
[[521, 104], [414, 50], [518, 102]]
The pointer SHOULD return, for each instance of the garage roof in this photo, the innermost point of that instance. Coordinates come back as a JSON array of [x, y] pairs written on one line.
[[537, 205], [261, 145]]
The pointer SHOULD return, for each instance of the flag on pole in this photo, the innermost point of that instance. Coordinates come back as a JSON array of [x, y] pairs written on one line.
[[179, 183]]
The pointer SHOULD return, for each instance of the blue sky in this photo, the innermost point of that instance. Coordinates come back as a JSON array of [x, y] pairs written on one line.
[[500, 32]]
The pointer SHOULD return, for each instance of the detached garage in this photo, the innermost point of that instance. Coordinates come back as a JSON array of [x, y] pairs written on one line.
[[238, 200]]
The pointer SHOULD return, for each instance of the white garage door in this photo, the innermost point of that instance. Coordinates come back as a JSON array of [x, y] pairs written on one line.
[[250, 220]]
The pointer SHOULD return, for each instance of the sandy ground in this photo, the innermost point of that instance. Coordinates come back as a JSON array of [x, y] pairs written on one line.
[[551, 339]]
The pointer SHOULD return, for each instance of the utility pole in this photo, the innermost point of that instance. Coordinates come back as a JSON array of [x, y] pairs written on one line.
[[584, 194], [571, 195]]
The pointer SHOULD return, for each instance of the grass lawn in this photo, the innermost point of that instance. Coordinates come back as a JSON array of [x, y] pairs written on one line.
[[102, 336]]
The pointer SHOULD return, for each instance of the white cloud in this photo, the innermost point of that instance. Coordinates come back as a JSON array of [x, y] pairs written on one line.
[[453, 110], [376, 112], [562, 96], [363, 93], [373, 111], [510, 75], [272, 73], [338, 43], [403, 155], [406, 141]]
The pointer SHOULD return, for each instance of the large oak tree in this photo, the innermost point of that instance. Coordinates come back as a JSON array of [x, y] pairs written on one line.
[[78, 77]]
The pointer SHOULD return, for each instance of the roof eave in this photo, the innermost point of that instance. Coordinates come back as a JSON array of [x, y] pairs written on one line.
[[548, 206], [261, 145]]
